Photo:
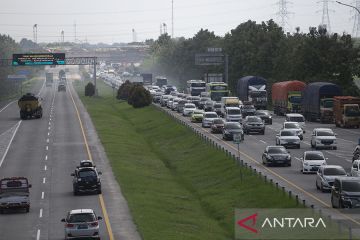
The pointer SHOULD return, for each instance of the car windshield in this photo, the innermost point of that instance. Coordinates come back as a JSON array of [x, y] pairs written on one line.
[[314, 156], [189, 106], [234, 111], [90, 173], [218, 121], [217, 105], [352, 111], [254, 119], [81, 217], [295, 99], [292, 125], [197, 112], [334, 171], [288, 133], [297, 119], [210, 115], [248, 107], [233, 126], [351, 186], [325, 133], [204, 99], [262, 113], [277, 150]]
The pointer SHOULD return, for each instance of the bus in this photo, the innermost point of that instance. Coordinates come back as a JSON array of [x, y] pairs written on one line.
[[196, 87], [217, 90]]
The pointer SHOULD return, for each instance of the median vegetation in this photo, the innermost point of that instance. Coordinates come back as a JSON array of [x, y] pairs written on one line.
[[176, 185]]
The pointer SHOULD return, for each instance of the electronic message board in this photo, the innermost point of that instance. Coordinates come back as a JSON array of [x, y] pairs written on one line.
[[38, 59]]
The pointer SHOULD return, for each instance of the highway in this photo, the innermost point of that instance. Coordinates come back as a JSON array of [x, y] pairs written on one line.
[[46, 151], [302, 185]]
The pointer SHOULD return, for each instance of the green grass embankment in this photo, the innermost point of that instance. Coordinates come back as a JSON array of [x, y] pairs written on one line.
[[176, 185]]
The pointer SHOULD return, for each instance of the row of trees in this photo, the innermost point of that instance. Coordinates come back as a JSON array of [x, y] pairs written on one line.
[[265, 50]]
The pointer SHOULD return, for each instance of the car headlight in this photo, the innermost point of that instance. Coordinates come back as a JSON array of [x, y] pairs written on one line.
[[306, 163], [288, 157], [318, 141], [345, 198], [270, 117], [79, 179]]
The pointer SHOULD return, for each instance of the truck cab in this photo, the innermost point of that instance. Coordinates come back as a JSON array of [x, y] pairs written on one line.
[[14, 194], [326, 109], [233, 114]]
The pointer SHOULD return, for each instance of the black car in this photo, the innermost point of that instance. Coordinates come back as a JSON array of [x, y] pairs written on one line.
[[230, 128], [265, 115], [202, 102], [61, 87], [345, 193], [248, 110], [254, 124], [86, 179], [276, 155]]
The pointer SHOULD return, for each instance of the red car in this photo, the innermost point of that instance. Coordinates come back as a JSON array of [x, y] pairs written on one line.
[[217, 125]]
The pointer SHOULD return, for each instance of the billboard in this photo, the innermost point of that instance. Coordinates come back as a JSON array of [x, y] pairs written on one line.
[[38, 59]]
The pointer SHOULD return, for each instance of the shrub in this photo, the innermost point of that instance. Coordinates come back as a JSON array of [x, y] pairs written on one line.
[[139, 96], [89, 89], [124, 90]]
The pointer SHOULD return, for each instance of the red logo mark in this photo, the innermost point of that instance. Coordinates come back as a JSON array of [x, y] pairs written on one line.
[[251, 217]]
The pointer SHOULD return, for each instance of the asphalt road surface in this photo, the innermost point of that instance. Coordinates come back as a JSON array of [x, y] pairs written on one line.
[[46, 151]]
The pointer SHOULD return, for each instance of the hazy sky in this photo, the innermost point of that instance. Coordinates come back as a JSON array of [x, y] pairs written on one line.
[[113, 20]]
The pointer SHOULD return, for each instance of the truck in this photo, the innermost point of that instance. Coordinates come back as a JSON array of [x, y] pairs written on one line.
[[318, 100], [49, 79], [195, 87], [229, 102], [346, 111], [286, 96], [253, 89], [161, 81], [30, 106], [147, 79], [14, 194]]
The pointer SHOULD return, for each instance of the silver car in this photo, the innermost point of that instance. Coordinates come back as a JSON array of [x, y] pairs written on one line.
[[326, 176], [81, 223]]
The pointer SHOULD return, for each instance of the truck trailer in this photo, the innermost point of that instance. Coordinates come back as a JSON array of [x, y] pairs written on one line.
[[346, 111], [49, 79], [286, 96], [317, 101], [253, 89]]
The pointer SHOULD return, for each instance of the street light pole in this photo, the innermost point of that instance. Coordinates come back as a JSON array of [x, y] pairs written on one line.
[[349, 6]]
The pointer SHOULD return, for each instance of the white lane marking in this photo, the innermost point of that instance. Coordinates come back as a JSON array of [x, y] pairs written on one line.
[[263, 141], [47, 148], [347, 140], [7, 105], [8, 146], [38, 234], [298, 159], [45, 167], [44, 180], [49, 123], [40, 214], [46, 157], [42, 195], [49, 128], [47, 140], [306, 143], [339, 156], [48, 133]]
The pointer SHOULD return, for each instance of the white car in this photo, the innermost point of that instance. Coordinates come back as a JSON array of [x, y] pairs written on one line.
[[288, 138], [324, 138], [296, 117], [81, 223], [188, 109], [312, 160], [208, 117], [355, 170], [294, 126], [233, 114]]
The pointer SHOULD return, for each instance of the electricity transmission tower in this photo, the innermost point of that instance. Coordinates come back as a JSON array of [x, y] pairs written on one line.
[[283, 13], [356, 17], [35, 32], [325, 20], [62, 36]]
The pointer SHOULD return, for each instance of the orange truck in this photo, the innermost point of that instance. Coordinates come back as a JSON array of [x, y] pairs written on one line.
[[287, 96], [347, 111]]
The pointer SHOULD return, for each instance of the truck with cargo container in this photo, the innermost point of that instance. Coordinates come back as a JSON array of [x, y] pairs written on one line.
[[14, 194], [346, 111], [229, 102], [287, 96], [318, 100], [161, 81], [49, 79], [254, 90]]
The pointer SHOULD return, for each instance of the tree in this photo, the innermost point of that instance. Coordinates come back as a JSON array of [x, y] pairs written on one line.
[[124, 90], [139, 96], [89, 89]]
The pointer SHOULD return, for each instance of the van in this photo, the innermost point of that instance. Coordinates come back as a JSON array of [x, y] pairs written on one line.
[[229, 102], [296, 117], [233, 114]]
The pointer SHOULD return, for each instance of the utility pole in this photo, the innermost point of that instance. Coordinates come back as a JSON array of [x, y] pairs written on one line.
[[62, 36], [75, 32], [325, 20], [134, 35], [356, 17], [172, 18], [161, 31], [35, 32], [164, 28], [283, 13]]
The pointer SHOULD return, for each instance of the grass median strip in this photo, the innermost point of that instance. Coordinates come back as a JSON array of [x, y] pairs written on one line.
[[176, 185]]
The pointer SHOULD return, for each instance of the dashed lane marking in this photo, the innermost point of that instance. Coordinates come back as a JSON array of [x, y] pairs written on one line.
[[41, 213], [11, 140], [38, 234], [45, 167], [46, 157], [44, 180], [42, 195]]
